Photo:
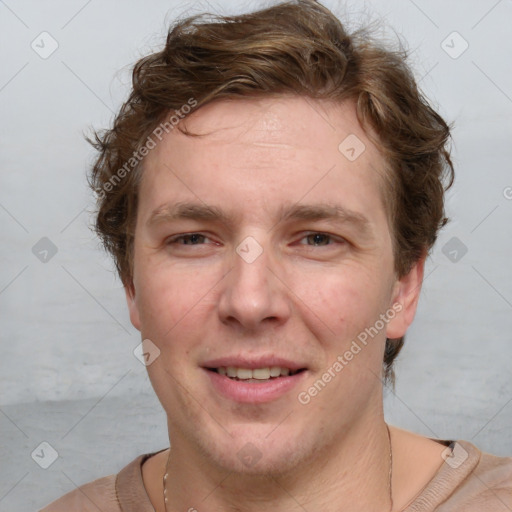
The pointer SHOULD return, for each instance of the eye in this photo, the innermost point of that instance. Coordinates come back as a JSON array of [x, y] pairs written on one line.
[[188, 239], [319, 239]]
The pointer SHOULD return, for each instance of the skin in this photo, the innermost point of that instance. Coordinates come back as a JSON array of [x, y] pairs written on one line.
[[304, 298]]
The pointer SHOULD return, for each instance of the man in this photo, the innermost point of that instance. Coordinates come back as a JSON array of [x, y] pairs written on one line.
[[270, 192]]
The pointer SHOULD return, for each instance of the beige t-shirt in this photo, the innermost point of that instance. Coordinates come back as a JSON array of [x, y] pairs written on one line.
[[468, 481]]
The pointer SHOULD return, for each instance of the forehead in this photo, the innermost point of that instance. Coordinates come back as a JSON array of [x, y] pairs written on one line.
[[255, 155], [278, 121]]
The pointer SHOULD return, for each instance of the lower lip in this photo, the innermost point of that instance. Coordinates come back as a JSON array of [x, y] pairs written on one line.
[[254, 392]]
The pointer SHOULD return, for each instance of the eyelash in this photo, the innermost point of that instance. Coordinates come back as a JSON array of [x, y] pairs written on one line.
[[174, 239], [332, 238]]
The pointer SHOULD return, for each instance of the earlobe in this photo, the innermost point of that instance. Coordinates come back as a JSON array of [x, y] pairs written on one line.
[[131, 301], [406, 294]]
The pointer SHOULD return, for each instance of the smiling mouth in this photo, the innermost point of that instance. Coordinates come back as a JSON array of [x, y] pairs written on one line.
[[255, 375]]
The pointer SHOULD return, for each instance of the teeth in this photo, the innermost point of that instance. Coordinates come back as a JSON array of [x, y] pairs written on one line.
[[257, 373], [275, 371], [244, 373]]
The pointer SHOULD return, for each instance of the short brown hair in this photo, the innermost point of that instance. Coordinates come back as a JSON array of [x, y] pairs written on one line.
[[297, 48]]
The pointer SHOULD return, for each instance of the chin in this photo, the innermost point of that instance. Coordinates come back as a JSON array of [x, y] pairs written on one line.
[[260, 454], [259, 461]]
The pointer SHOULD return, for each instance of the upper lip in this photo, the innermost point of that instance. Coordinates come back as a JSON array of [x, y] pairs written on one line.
[[253, 362]]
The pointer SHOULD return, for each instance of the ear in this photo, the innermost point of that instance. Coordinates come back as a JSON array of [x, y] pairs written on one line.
[[406, 294], [133, 308]]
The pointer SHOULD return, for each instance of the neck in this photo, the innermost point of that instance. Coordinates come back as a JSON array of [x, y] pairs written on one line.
[[351, 473]]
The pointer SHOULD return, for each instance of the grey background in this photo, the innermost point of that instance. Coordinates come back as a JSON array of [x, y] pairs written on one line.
[[68, 373]]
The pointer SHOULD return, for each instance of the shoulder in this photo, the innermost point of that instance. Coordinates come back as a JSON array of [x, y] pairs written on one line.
[[489, 486], [91, 497], [113, 493], [475, 481]]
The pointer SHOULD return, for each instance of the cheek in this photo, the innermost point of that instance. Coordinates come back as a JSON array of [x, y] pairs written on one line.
[[338, 305], [170, 299]]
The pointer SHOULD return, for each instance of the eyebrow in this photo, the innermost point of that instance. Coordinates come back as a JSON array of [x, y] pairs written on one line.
[[311, 212], [325, 212], [192, 211]]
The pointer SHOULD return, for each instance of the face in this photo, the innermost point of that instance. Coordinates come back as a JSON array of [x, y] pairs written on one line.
[[262, 247]]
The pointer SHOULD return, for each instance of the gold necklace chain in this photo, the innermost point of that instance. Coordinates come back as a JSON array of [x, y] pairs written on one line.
[[390, 471], [166, 499]]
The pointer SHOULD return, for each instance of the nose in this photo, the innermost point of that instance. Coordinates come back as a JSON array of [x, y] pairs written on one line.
[[253, 293]]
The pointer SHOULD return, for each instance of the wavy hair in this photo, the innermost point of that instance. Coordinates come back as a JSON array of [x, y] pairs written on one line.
[[297, 48]]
